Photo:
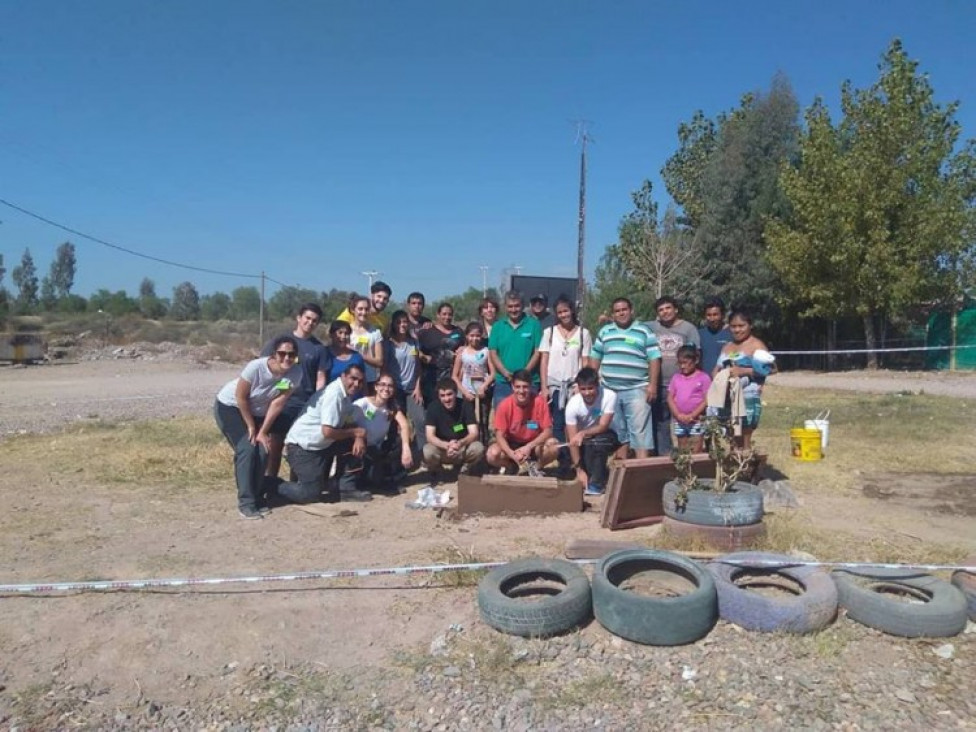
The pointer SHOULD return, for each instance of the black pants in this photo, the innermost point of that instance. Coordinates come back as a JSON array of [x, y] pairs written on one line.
[[380, 468], [249, 460], [311, 468], [594, 454]]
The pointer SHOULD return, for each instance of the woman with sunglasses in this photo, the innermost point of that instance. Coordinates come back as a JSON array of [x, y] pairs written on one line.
[[245, 409], [388, 457]]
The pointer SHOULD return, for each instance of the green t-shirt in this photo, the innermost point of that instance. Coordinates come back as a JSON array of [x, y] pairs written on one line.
[[515, 344]]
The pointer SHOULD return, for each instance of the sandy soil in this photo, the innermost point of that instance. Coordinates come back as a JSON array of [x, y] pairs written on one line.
[[179, 644]]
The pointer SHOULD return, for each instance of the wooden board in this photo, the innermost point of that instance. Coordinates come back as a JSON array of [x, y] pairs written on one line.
[[500, 494], [635, 486]]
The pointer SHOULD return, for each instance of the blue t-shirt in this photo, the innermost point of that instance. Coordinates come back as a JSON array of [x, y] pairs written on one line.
[[711, 346], [338, 366]]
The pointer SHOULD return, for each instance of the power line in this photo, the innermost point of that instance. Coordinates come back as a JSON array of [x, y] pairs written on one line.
[[134, 253]]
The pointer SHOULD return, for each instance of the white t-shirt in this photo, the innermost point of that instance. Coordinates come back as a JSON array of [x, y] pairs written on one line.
[[584, 415], [363, 343], [375, 420], [330, 406], [565, 354], [265, 386]]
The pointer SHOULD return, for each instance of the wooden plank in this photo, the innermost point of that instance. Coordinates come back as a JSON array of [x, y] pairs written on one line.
[[637, 488], [501, 494]]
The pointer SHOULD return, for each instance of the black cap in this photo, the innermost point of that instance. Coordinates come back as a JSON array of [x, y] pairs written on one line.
[[541, 296]]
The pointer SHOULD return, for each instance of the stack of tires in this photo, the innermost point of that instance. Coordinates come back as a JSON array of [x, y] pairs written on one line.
[[727, 521], [544, 597]]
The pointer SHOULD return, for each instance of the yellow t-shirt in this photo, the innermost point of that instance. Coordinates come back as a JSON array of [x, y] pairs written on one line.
[[377, 320]]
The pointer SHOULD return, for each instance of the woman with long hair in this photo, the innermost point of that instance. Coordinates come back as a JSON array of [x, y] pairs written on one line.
[[367, 339], [245, 409], [738, 357], [438, 345], [340, 334], [487, 315], [563, 352], [401, 359]]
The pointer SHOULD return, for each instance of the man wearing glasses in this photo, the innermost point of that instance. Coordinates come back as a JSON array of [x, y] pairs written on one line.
[[324, 431], [315, 361]]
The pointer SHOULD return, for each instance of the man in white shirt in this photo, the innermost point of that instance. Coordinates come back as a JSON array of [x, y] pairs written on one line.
[[589, 414], [324, 431]]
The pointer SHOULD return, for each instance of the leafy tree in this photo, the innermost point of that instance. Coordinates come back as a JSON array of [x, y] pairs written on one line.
[[466, 304], [726, 177], [333, 302], [72, 304], [246, 303], [48, 298], [3, 290], [286, 301], [116, 303], [25, 278], [662, 257], [150, 305], [883, 209], [63, 269], [216, 306], [613, 280], [186, 302]]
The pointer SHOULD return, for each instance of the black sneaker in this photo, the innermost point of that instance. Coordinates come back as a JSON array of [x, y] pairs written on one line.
[[355, 496], [250, 513]]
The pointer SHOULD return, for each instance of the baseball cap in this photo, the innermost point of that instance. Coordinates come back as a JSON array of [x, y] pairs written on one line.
[[541, 296]]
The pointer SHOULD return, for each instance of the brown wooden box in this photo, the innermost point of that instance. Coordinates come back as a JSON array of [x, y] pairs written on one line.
[[635, 486], [498, 494]]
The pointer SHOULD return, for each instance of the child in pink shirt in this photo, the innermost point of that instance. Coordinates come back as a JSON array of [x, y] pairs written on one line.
[[687, 394]]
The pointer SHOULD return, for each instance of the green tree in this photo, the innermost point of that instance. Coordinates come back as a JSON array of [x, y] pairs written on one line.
[[49, 299], [286, 301], [725, 176], [216, 306], [333, 302], [246, 303], [150, 305], [25, 278], [613, 280], [882, 214], [63, 268], [186, 302], [465, 304], [4, 298], [116, 303]]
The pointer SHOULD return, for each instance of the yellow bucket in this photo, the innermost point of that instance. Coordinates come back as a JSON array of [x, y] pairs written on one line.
[[805, 444]]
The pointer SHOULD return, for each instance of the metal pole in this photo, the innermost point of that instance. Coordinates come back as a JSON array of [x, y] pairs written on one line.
[[261, 314], [484, 280], [581, 239]]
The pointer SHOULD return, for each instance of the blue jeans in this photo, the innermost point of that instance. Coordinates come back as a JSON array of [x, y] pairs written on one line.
[[249, 460], [632, 421], [662, 422], [558, 415]]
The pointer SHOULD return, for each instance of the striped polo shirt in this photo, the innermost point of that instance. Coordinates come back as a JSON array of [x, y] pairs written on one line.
[[624, 354]]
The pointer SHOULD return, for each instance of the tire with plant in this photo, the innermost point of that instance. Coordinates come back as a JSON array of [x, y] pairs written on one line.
[[812, 609], [723, 538], [965, 581], [740, 505], [658, 621], [535, 597], [940, 610]]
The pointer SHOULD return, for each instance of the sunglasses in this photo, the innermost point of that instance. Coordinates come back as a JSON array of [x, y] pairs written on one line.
[[286, 354]]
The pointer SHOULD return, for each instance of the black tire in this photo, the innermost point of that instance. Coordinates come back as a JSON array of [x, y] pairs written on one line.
[[966, 583], [942, 612], [558, 611], [657, 621], [723, 538], [812, 610], [740, 506]]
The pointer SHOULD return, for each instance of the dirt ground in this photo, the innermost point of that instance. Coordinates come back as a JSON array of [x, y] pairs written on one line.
[[185, 644]]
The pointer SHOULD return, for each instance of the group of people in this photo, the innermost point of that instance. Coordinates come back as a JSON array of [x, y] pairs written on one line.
[[392, 391]]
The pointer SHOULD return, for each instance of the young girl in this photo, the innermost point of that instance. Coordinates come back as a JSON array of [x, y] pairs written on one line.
[[401, 359], [474, 374], [687, 394]]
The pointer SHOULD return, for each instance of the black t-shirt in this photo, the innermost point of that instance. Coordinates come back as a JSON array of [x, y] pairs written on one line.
[[417, 328], [446, 423], [440, 347]]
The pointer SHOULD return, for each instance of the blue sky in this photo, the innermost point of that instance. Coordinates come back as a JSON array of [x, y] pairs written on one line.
[[315, 140]]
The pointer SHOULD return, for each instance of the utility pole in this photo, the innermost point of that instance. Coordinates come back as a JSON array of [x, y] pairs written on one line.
[[582, 137], [517, 268], [370, 274], [484, 279], [261, 314]]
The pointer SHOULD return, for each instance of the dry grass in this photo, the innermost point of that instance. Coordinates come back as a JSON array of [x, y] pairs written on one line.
[[869, 433], [186, 453]]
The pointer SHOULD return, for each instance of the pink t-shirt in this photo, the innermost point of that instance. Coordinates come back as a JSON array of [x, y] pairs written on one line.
[[689, 391]]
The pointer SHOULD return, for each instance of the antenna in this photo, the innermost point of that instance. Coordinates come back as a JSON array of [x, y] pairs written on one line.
[[484, 279], [582, 137]]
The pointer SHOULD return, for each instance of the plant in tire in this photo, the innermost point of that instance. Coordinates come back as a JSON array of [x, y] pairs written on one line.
[[725, 500]]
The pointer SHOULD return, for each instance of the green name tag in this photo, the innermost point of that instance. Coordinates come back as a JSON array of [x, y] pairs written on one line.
[[630, 341], [283, 385], [459, 428]]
